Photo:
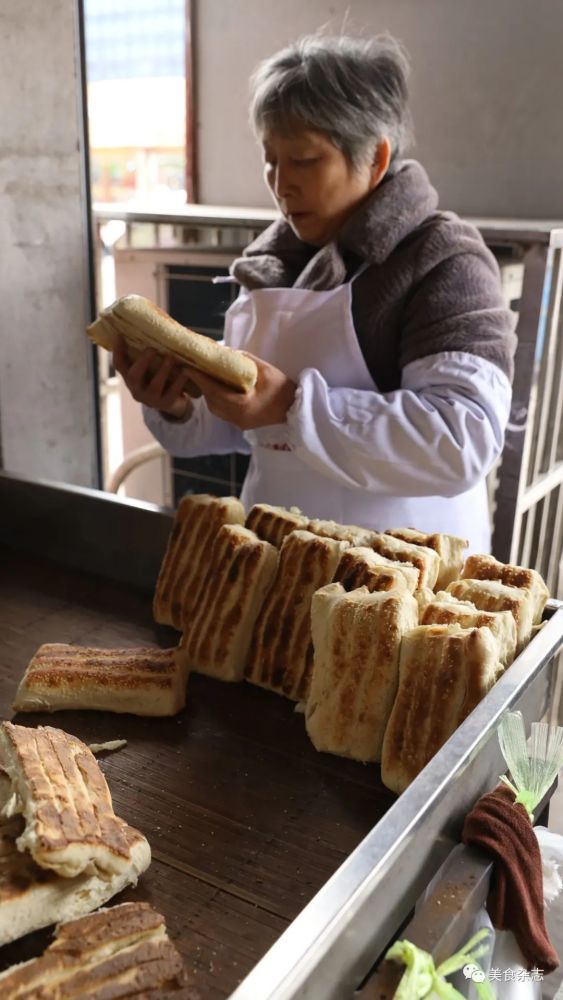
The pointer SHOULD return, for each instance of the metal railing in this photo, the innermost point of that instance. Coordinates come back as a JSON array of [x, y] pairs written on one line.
[[529, 498]]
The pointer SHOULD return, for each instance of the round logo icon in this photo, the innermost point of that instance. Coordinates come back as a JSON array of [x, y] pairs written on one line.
[[474, 973]]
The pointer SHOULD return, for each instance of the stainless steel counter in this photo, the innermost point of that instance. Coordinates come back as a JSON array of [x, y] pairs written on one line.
[[331, 945]]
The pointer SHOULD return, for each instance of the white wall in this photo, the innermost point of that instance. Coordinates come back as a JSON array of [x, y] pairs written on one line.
[[487, 89], [46, 389]]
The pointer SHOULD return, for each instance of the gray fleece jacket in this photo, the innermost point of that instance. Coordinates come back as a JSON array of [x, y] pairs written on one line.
[[432, 284]]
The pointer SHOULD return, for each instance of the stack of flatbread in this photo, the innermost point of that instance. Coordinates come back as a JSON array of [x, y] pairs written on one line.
[[262, 629], [370, 630], [139, 681], [122, 951], [143, 325], [63, 851]]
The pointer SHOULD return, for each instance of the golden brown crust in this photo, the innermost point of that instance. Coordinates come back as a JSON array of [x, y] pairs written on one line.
[[186, 560], [120, 951], [61, 791], [444, 671], [450, 549], [143, 325], [426, 561], [241, 571], [281, 655], [359, 567], [272, 524], [492, 595], [356, 638], [143, 681], [32, 897], [445, 610], [350, 533], [484, 567]]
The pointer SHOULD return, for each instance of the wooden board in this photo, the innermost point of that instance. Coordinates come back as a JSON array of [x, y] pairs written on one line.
[[245, 819]]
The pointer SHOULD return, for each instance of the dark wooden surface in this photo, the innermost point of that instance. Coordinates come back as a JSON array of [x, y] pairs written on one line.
[[245, 819]]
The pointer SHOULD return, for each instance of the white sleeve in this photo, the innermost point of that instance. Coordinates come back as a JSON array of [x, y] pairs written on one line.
[[202, 434], [437, 435]]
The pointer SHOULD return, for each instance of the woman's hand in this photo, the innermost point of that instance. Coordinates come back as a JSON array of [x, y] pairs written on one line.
[[161, 386], [266, 404]]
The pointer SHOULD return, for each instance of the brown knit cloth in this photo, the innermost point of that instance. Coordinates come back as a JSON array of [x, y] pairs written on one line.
[[515, 902]]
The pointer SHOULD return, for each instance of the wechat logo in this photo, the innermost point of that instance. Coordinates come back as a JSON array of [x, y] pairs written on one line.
[[474, 973]]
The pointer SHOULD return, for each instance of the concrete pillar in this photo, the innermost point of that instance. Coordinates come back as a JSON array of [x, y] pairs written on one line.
[[47, 420]]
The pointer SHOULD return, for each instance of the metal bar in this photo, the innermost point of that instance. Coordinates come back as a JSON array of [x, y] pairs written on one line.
[[192, 215], [541, 539], [201, 477], [556, 415], [509, 232], [555, 548], [541, 487], [205, 278], [332, 944], [528, 536]]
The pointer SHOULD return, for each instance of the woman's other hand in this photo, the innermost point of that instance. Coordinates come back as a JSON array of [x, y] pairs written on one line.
[[157, 382], [266, 404]]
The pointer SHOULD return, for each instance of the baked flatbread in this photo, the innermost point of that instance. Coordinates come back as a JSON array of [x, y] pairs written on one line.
[[217, 637], [342, 532], [281, 654], [186, 560], [274, 523], [444, 671], [122, 951], [362, 567], [426, 561], [424, 597], [59, 789], [488, 568], [32, 897], [143, 325], [450, 548], [492, 595], [444, 609], [356, 638], [139, 681]]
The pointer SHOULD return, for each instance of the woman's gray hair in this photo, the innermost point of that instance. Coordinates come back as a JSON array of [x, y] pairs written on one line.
[[352, 89]]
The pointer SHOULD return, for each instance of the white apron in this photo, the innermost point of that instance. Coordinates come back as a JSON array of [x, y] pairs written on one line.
[[295, 329]]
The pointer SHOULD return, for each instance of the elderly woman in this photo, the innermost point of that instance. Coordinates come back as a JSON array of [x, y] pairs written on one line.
[[383, 346]]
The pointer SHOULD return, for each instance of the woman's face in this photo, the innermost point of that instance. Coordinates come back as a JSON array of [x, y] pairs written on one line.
[[314, 184]]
